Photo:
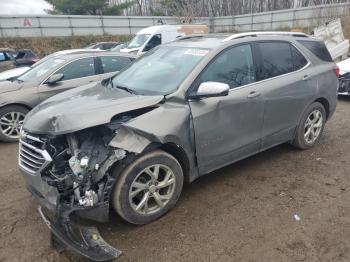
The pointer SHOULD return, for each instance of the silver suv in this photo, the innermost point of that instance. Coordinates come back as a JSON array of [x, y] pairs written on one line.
[[53, 74], [181, 111]]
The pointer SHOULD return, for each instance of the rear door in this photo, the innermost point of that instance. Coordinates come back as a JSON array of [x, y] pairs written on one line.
[[76, 73], [287, 79], [228, 128]]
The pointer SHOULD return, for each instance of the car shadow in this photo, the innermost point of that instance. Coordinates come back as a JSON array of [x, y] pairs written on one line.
[[217, 178]]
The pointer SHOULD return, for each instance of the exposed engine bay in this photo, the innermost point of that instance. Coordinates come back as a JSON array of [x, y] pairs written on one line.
[[74, 179]]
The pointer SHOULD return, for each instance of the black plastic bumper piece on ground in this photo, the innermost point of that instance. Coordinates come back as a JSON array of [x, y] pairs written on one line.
[[86, 241]]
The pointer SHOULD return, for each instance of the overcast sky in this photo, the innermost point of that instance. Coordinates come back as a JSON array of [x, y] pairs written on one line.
[[15, 7]]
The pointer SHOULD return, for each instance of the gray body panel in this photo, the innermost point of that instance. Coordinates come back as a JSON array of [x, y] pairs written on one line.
[[212, 132]]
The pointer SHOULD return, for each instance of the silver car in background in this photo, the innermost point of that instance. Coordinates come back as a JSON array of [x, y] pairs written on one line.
[[53, 74]]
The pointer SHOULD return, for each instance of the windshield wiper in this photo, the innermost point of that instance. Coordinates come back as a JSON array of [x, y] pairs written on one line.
[[129, 90]]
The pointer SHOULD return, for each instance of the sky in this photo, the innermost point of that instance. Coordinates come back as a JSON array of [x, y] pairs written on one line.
[[16, 7]]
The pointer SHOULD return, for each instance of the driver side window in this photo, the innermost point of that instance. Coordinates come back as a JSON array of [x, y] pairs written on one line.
[[234, 67], [77, 69], [153, 42]]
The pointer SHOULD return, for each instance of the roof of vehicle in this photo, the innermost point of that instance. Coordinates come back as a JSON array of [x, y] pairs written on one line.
[[215, 40], [161, 28], [70, 56], [108, 42]]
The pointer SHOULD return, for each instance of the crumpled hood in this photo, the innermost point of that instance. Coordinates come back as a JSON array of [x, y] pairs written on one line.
[[83, 107], [8, 86]]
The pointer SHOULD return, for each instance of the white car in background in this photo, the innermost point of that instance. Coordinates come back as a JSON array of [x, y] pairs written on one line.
[[13, 73], [344, 77]]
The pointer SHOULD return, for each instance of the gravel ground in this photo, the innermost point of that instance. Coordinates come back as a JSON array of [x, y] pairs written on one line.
[[244, 212]]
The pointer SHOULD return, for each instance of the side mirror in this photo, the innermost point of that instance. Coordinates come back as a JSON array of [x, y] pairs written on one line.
[[211, 89], [54, 79]]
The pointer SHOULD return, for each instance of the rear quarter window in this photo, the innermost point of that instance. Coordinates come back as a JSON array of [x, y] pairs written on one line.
[[276, 59], [318, 48]]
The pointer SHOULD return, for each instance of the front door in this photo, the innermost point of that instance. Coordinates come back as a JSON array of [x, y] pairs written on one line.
[[76, 73], [228, 128]]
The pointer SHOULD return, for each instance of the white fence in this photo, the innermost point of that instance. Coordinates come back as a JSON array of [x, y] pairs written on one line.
[[58, 25]]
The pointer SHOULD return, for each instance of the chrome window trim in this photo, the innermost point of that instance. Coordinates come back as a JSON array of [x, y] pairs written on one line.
[[286, 74]]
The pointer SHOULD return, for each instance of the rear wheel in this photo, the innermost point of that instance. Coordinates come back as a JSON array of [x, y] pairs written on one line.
[[148, 188], [11, 121], [310, 127]]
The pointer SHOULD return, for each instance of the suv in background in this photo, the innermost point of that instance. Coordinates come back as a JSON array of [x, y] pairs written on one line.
[[54, 74], [182, 110]]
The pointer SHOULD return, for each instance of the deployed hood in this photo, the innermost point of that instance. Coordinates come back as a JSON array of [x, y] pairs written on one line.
[[8, 86], [83, 107]]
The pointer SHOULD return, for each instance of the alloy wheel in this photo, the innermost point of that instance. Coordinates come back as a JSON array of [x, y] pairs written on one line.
[[313, 126], [11, 123], [152, 189]]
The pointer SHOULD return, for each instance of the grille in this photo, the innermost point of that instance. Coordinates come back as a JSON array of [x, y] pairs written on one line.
[[32, 158]]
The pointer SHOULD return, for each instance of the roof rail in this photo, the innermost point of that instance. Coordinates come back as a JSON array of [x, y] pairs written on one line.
[[241, 35]]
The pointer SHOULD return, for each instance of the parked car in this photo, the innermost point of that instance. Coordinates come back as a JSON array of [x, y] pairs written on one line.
[[344, 77], [182, 110], [6, 59], [13, 73], [25, 57], [102, 45], [150, 37], [118, 47], [55, 74]]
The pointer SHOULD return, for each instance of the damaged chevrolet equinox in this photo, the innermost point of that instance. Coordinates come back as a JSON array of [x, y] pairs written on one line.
[[182, 110]]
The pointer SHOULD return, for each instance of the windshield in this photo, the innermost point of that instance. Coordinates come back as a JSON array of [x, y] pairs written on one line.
[[41, 69], [138, 41], [160, 71]]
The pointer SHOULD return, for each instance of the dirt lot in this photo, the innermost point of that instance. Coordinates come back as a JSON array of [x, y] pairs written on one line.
[[244, 212]]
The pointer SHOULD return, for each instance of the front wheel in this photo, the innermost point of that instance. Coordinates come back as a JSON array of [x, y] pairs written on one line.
[[11, 121], [148, 188], [310, 127]]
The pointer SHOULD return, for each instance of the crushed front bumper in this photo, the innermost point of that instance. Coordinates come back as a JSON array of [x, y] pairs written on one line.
[[86, 241], [66, 233]]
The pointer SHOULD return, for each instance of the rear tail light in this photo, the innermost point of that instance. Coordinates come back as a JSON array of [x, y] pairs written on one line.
[[336, 71]]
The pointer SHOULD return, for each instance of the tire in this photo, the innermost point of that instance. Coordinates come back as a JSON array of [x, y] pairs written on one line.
[[301, 139], [10, 113], [135, 185]]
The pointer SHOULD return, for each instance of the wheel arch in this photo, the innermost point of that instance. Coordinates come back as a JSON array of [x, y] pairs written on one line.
[[323, 101], [177, 152], [17, 104]]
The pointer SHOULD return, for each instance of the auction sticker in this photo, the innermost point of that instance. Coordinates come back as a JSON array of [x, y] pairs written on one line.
[[196, 52]]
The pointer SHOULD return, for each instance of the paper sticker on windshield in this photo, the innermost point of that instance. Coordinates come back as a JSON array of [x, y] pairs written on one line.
[[196, 52]]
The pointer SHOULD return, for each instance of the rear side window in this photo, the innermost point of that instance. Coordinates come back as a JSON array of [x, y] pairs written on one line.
[[234, 67], [80, 68], [299, 60], [114, 63], [318, 48], [276, 59]]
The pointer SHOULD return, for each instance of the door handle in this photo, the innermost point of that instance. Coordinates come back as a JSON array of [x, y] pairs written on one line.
[[306, 77], [253, 94]]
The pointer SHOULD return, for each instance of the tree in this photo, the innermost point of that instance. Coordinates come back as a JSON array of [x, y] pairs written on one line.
[[87, 7]]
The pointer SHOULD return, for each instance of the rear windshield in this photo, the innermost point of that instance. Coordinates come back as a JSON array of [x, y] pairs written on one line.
[[318, 48]]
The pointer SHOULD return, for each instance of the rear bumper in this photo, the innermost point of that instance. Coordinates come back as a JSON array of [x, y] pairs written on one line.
[[86, 241]]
